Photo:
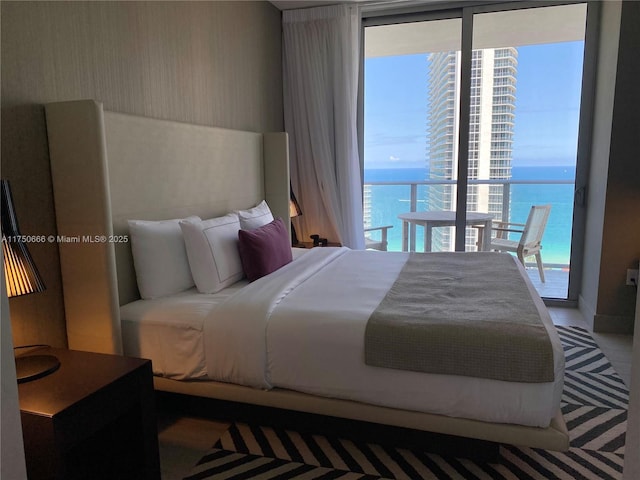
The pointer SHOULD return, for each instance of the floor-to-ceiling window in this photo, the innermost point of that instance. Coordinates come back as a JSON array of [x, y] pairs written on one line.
[[480, 101]]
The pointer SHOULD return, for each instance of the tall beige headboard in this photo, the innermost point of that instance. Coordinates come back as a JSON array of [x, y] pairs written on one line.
[[110, 167]]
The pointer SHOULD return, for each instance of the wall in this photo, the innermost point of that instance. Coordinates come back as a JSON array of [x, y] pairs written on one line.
[[621, 229], [12, 464], [613, 225], [599, 165], [212, 63], [632, 440]]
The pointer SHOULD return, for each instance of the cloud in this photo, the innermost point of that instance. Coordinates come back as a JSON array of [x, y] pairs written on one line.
[[382, 139], [394, 159]]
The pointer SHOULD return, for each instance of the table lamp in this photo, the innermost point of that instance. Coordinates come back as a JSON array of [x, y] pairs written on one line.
[[22, 278], [294, 211]]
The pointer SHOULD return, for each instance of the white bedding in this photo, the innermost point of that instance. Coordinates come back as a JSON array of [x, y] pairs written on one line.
[[169, 331], [275, 332]]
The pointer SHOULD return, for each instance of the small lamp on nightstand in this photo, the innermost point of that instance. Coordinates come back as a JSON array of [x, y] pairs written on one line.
[[21, 277], [294, 211]]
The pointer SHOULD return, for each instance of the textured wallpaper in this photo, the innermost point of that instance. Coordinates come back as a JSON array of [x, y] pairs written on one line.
[[210, 63]]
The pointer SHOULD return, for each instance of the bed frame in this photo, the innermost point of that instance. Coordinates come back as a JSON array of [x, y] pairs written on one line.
[[109, 167]]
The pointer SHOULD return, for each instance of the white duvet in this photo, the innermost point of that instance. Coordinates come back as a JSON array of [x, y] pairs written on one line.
[[302, 328]]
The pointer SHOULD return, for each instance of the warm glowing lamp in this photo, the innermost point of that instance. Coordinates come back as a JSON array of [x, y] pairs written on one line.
[[21, 277], [294, 211]]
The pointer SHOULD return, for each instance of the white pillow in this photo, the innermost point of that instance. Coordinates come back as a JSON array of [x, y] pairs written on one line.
[[255, 217], [212, 249], [160, 257]]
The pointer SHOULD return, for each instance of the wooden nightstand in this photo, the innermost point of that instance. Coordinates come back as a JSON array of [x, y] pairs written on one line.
[[92, 418]]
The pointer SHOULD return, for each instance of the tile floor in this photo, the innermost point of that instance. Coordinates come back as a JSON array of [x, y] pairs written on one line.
[[616, 347], [184, 440], [556, 282]]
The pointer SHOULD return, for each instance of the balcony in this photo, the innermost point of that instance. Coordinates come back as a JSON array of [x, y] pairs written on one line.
[[506, 199]]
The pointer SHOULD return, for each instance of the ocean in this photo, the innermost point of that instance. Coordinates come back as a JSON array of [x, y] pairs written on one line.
[[387, 201]]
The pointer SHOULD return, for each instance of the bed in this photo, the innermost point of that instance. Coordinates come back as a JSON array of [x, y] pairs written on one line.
[[108, 168]]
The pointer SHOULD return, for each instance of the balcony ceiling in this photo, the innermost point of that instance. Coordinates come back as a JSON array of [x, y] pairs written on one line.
[[291, 4], [491, 30], [366, 4], [501, 29]]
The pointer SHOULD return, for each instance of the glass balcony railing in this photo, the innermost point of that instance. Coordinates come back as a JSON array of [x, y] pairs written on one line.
[[508, 200]]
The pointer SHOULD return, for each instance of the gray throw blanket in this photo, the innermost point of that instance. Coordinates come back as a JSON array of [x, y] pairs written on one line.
[[460, 313]]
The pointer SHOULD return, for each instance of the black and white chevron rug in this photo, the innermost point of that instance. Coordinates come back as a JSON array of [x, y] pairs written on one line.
[[594, 406]]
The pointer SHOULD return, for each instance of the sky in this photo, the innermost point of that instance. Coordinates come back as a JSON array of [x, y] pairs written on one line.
[[549, 77]]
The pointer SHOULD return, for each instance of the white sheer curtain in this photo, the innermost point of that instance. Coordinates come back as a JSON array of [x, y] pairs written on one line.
[[321, 61]]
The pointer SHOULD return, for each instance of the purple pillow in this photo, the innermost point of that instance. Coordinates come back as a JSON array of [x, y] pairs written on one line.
[[264, 249]]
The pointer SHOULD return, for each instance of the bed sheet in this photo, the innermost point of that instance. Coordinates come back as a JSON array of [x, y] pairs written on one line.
[[285, 337], [169, 331]]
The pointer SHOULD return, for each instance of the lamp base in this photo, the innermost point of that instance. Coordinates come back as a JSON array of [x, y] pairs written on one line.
[[294, 237], [31, 367]]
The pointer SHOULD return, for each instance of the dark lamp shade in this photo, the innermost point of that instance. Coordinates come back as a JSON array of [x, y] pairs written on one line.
[[294, 207], [294, 210], [20, 272]]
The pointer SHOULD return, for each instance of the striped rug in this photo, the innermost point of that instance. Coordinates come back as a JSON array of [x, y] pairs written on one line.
[[594, 406]]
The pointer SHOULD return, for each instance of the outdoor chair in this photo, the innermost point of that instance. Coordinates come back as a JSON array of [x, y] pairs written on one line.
[[372, 244], [530, 242]]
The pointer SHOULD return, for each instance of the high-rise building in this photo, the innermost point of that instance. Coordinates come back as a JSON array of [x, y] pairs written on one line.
[[366, 205], [493, 95]]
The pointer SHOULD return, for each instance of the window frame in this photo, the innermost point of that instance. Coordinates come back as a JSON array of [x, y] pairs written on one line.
[[466, 10]]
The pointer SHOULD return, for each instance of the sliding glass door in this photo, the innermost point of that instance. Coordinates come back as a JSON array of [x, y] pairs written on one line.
[[488, 104], [401, 101], [524, 121]]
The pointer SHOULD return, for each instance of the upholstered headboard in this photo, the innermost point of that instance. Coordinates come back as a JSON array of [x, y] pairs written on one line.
[[110, 167]]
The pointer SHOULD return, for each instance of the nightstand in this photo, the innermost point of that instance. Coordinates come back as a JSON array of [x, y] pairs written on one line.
[[92, 418], [311, 245]]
